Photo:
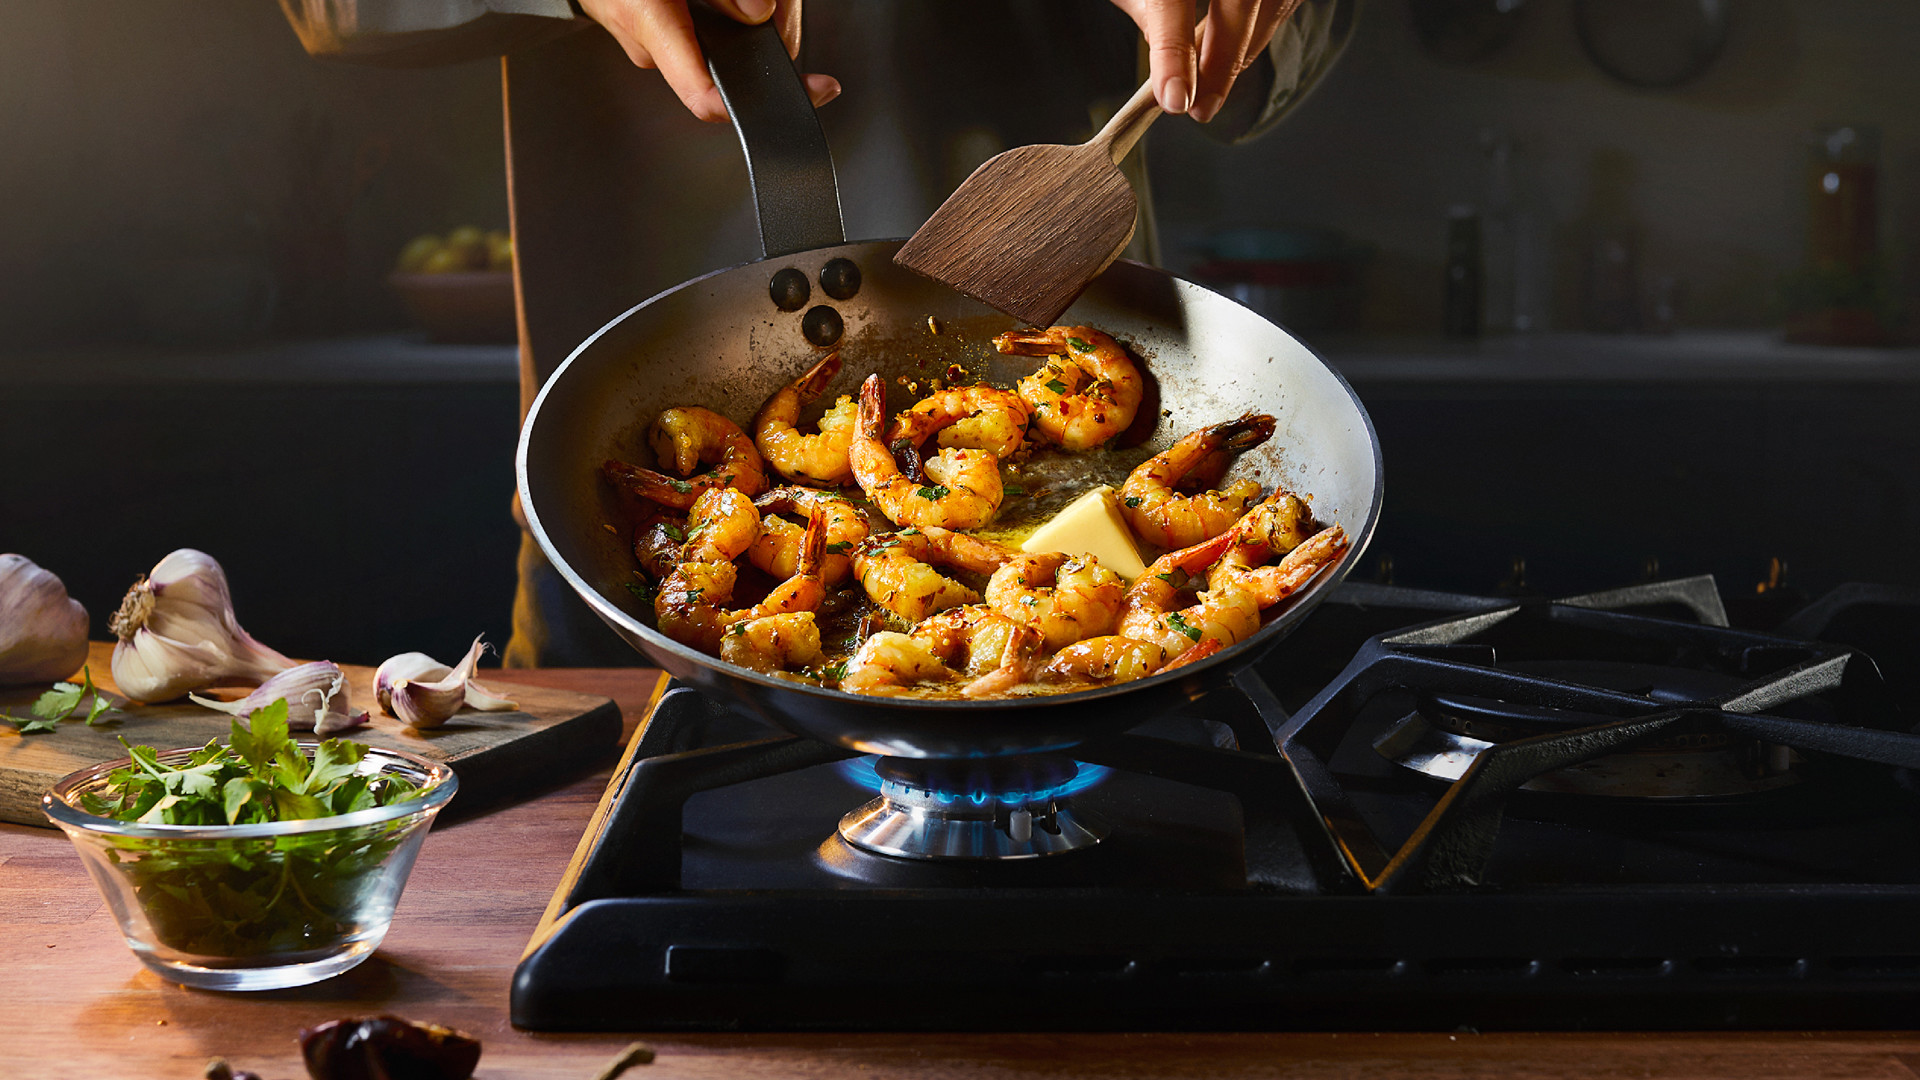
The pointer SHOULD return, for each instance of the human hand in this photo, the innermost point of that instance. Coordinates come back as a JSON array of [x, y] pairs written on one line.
[[659, 34], [1193, 67]]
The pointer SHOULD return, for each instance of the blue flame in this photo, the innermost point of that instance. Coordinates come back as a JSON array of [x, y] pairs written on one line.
[[860, 772]]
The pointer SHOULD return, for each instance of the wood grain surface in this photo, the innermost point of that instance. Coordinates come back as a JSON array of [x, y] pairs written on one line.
[[495, 753], [82, 1008]]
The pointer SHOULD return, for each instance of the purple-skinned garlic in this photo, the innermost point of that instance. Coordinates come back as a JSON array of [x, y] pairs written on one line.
[[177, 633], [317, 697], [43, 631], [424, 693]]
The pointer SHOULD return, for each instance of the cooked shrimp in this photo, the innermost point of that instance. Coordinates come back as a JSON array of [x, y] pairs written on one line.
[[1108, 658], [890, 663], [820, 458], [689, 606], [1115, 659], [966, 417], [1272, 584], [1086, 392], [657, 542], [1065, 597], [976, 641], [774, 643], [972, 639], [1148, 612], [1162, 516], [682, 438], [897, 571], [778, 549], [964, 492]]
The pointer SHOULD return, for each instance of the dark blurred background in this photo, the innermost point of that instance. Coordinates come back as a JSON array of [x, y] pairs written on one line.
[[199, 345]]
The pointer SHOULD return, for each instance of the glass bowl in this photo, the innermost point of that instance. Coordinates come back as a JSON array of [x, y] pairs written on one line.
[[254, 907]]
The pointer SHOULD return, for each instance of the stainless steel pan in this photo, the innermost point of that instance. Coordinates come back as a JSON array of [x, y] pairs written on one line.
[[721, 341]]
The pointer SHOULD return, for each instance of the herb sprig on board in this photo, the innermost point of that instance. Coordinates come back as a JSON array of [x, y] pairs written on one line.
[[63, 703]]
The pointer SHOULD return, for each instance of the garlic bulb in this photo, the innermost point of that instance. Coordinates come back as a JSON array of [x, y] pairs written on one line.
[[317, 699], [43, 631], [424, 692], [177, 633]]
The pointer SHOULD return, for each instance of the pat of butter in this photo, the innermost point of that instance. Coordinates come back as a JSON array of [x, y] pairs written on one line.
[[1091, 525]]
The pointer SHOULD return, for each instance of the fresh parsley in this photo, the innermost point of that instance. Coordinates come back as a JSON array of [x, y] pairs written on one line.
[[642, 589], [62, 703], [834, 672], [680, 486], [1132, 501], [1056, 386], [839, 547], [674, 532], [937, 491], [1178, 623], [1079, 344], [246, 897]]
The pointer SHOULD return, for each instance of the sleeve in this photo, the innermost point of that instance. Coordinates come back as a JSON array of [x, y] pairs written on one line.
[[418, 33], [1302, 51]]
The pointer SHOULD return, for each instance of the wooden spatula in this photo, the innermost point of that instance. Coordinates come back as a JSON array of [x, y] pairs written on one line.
[[1032, 226]]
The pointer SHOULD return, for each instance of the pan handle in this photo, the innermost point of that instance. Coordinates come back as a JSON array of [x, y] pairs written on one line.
[[795, 193]]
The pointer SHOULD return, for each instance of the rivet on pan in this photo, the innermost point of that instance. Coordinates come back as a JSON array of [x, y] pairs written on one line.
[[789, 289], [821, 325], [840, 278]]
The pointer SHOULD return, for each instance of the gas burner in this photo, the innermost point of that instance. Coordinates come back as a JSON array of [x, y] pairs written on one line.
[[1692, 760], [1009, 808]]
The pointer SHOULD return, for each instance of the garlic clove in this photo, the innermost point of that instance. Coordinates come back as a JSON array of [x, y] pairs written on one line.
[[430, 685], [178, 633], [411, 665], [427, 704], [318, 699], [43, 631]]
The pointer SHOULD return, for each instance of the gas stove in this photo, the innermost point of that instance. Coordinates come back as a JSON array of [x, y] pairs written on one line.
[[1424, 810]]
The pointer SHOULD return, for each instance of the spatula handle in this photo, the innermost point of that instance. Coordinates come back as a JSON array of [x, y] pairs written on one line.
[[1129, 123]]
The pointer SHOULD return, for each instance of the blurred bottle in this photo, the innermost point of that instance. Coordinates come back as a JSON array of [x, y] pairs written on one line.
[[1512, 242], [1465, 272], [1842, 297], [1843, 229], [1610, 240]]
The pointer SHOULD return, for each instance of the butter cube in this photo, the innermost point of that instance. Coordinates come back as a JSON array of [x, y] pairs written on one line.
[[1091, 525]]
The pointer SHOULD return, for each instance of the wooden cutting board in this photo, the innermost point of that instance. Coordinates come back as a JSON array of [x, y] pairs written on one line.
[[496, 755]]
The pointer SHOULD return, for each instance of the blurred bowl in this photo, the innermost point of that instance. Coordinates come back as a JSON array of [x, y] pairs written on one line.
[[471, 308]]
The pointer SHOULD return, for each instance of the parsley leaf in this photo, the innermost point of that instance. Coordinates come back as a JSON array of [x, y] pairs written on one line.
[[61, 703], [673, 532], [1079, 344], [937, 491], [680, 486], [1178, 623], [1056, 386], [58, 703], [28, 726], [1132, 501], [838, 547], [834, 672], [644, 590]]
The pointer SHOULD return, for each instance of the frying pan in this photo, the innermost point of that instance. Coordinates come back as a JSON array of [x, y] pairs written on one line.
[[722, 341]]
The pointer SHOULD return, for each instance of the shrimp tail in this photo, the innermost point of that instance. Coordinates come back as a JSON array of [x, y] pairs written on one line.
[[814, 382], [1027, 343], [1244, 432], [649, 484], [813, 547], [873, 407]]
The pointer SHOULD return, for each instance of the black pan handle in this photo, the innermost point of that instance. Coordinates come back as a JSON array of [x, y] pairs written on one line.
[[795, 193]]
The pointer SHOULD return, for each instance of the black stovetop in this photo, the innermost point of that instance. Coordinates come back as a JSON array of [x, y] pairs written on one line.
[[1266, 866]]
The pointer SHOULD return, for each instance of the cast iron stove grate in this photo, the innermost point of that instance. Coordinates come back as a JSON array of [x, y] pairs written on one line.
[[1269, 868]]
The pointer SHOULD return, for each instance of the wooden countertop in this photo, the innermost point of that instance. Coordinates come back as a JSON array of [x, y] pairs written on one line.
[[80, 1007]]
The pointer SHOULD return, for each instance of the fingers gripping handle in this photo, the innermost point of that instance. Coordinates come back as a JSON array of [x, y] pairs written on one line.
[[795, 193]]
